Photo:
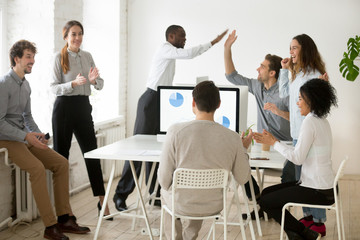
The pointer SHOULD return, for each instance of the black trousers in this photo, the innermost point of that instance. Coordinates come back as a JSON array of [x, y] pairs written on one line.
[[288, 175], [146, 122], [72, 114], [273, 199]]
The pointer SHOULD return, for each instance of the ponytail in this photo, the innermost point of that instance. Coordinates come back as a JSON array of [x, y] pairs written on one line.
[[64, 59]]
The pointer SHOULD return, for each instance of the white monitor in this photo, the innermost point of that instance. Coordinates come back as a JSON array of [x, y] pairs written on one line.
[[175, 105]]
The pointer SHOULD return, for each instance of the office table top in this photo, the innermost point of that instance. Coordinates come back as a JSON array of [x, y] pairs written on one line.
[[147, 148]]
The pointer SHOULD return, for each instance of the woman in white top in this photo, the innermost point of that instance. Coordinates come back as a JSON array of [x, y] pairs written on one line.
[[305, 63], [313, 152]]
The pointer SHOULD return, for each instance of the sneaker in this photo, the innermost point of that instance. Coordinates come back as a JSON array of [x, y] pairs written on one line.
[[320, 229], [306, 222]]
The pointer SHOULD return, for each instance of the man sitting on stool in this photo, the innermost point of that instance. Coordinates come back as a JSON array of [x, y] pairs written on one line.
[[27, 145]]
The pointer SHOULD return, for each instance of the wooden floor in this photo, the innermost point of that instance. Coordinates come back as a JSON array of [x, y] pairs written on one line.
[[84, 206]]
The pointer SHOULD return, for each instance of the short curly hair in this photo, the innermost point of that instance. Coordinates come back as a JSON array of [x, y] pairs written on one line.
[[320, 95], [17, 50]]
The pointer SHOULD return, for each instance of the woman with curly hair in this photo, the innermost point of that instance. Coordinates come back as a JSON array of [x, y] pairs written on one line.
[[313, 152]]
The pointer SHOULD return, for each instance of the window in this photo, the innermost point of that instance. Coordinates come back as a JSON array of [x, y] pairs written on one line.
[[3, 55]]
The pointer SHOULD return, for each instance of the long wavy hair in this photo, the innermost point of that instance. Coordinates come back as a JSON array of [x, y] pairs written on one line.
[[64, 55], [309, 59]]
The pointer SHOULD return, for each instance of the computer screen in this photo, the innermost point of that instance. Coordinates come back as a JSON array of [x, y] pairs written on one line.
[[175, 105]]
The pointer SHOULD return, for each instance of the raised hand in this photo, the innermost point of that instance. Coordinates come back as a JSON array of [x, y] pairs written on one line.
[[271, 107], [247, 140], [93, 74], [265, 137], [231, 39], [324, 77], [79, 80], [219, 37], [285, 63]]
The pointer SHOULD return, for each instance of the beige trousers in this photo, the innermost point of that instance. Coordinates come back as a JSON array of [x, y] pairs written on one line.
[[35, 161], [187, 229]]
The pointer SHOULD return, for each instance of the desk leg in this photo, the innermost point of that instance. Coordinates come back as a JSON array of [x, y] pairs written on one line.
[[141, 199], [255, 206], [140, 181], [105, 199]]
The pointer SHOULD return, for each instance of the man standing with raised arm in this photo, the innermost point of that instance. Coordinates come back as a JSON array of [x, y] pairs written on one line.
[[161, 73], [272, 111]]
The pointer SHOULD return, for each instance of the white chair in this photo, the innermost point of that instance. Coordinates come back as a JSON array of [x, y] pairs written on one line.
[[197, 179], [236, 200], [337, 206]]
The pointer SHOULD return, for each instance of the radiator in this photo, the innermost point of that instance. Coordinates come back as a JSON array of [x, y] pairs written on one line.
[[108, 132], [26, 209]]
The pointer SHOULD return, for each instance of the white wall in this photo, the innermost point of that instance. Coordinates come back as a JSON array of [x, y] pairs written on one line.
[[263, 27]]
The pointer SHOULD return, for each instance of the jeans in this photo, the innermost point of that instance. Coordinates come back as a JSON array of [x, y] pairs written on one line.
[[319, 215]]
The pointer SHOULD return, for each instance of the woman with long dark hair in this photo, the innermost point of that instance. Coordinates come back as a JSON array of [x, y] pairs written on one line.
[[305, 63], [74, 72]]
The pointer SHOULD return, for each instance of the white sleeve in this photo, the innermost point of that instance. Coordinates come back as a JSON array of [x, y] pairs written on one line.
[[298, 154], [171, 52]]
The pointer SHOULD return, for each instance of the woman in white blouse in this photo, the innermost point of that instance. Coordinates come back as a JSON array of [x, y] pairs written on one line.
[[313, 152], [74, 72]]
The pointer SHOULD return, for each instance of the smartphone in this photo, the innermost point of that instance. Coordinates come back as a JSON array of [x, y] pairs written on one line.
[[47, 136]]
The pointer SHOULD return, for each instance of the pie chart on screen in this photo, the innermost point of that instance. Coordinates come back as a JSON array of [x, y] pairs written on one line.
[[176, 99], [224, 121]]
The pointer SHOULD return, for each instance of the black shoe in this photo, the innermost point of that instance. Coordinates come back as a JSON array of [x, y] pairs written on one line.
[[70, 226], [156, 203], [252, 214], [293, 235], [99, 209], [54, 233], [309, 234], [120, 204]]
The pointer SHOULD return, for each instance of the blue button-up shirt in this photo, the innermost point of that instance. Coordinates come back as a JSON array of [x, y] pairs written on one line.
[[276, 125]]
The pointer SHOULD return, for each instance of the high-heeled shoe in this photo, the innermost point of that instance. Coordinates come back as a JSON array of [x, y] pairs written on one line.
[[99, 208]]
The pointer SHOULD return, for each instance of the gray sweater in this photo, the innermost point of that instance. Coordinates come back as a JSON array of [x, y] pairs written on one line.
[[201, 144]]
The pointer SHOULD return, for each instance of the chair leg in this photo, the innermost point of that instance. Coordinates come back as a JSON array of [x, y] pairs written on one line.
[[341, 218], [161, 222], [282, 223], [173, 227], [338, 223]]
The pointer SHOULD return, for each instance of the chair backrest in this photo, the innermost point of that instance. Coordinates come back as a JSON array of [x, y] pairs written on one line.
[[340, 171], [200, 178], [339, 174]]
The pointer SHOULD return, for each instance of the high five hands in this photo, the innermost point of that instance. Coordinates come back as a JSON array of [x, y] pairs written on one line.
[[219, 37]]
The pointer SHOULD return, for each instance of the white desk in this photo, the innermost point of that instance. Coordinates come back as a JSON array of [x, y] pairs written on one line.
[[146, 148]]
